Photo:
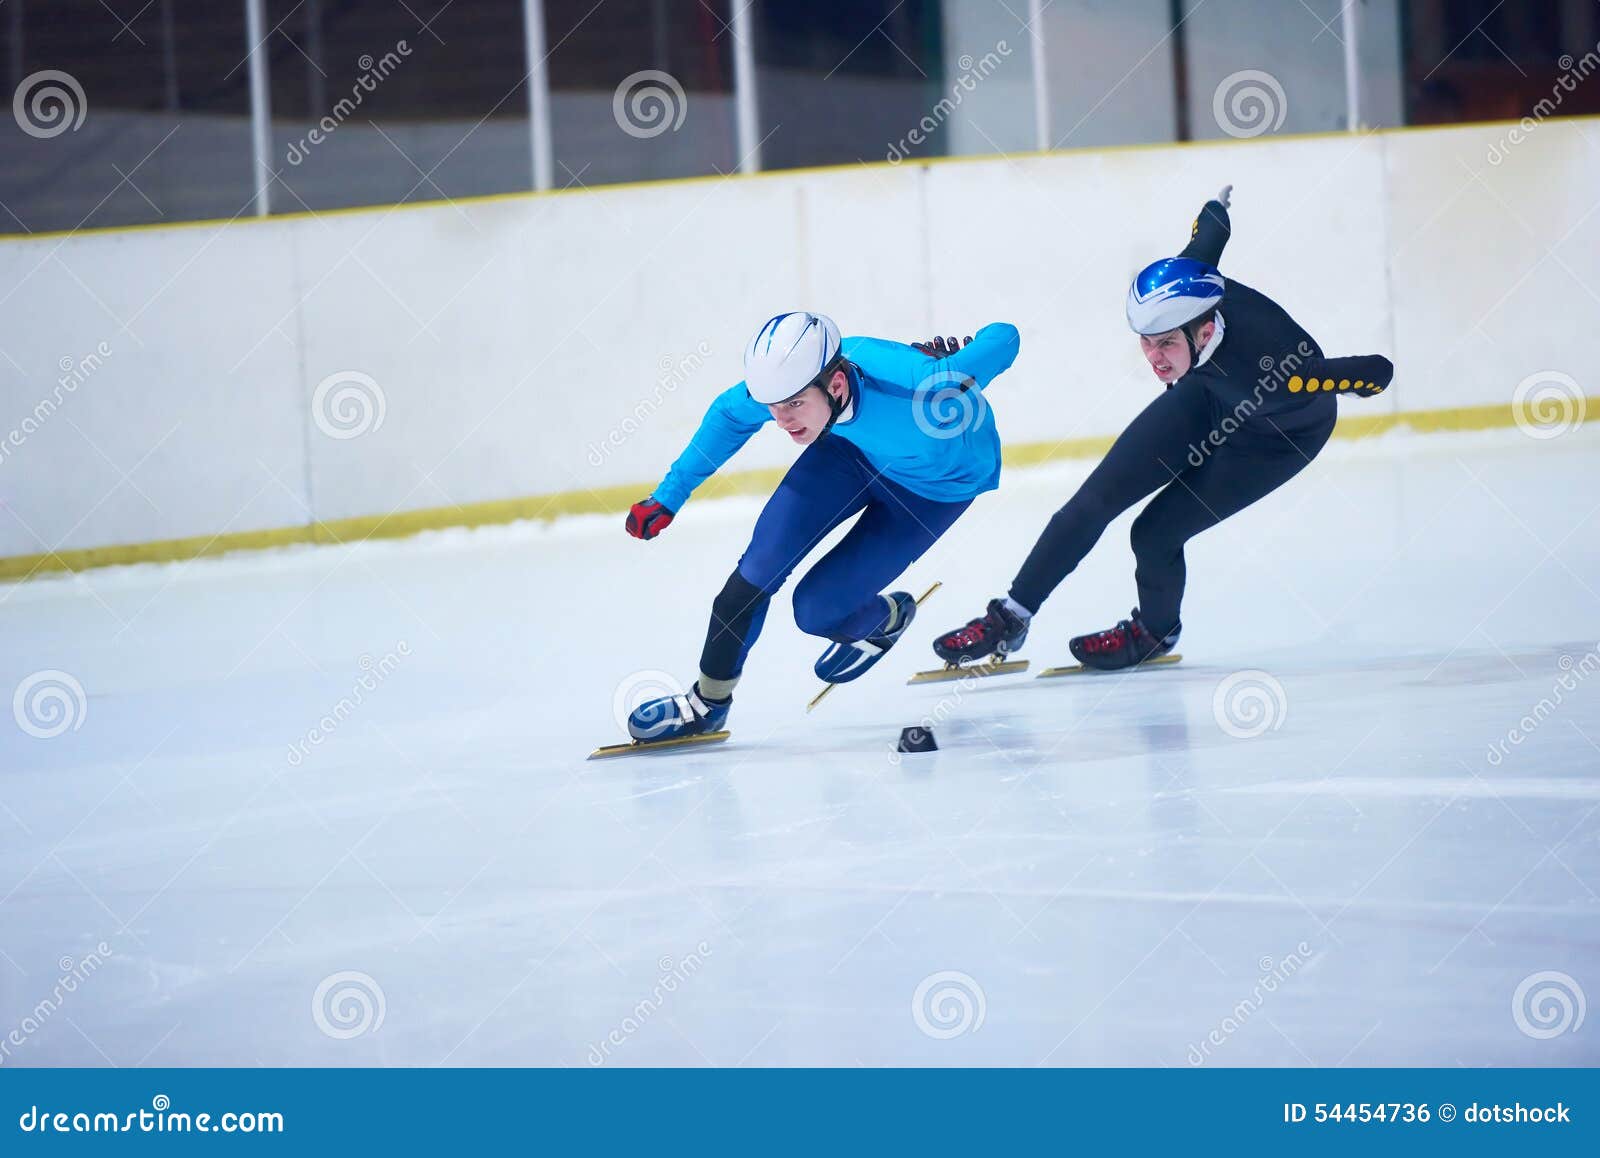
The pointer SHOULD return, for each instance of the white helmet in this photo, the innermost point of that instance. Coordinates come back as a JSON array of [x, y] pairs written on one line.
[[787, 354]]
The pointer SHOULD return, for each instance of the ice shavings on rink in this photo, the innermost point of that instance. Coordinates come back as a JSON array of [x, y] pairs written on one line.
[[1356, 826]]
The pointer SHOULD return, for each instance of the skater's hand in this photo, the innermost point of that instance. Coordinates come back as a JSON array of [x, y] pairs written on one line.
[[1225, 196], [647, 519], [937, 347]]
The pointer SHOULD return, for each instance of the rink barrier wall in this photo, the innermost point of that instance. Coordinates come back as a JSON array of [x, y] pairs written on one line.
[[616, 500], [514, 335]]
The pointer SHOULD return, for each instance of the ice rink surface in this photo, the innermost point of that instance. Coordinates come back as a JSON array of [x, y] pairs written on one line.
[[1356, 826]]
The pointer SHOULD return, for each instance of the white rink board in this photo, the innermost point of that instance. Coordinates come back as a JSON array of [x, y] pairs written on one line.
[[512, 338]]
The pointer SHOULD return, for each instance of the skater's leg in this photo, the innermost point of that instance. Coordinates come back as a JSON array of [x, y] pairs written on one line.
[[841, 597], [1154, 449], [827, 484], [1233, 476]]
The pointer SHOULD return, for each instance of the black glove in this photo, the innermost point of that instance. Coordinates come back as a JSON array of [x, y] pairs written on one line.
[[937, 347]]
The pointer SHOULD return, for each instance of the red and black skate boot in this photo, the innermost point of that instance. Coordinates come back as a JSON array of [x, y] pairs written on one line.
[[999, 631], [1126, 644]]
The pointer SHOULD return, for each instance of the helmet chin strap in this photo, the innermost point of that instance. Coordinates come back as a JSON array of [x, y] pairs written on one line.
[[1198, 353], [835, 407]]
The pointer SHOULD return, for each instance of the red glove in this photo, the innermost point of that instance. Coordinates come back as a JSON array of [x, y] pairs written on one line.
[[647, 519]]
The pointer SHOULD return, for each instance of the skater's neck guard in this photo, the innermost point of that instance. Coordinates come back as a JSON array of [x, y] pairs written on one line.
[[1199, 354], [838, 410]]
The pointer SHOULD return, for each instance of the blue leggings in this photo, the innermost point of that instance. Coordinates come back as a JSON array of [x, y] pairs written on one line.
[[839, 597]]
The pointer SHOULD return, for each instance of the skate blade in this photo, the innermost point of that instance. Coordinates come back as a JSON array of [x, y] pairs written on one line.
[[953, 672], [1079, 669], [638, 747], [826, 688]]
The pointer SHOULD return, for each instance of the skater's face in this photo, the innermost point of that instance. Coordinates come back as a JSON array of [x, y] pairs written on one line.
[[1168, 353], [805, 416]]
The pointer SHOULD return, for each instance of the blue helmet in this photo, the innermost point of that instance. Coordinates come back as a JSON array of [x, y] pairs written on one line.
[[1171, 293]]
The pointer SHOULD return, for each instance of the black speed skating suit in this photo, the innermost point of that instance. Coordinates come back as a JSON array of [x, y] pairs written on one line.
[[1231, 430]]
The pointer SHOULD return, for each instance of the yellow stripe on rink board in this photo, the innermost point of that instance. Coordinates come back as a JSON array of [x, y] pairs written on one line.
[[615, 500]]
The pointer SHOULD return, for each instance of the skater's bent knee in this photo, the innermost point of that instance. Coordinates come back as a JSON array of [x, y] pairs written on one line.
[[1153, 537], [816, 609]]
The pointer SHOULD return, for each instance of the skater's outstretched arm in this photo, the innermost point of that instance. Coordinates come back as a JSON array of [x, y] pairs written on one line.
[[986, 356], [1363, 374], [1210, 231], [732, 418]]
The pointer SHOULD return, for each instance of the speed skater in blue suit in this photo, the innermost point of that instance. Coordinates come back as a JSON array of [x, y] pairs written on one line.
[[898, 434]]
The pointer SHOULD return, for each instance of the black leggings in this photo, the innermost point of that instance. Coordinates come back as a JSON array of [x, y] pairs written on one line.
[[1238, 463]]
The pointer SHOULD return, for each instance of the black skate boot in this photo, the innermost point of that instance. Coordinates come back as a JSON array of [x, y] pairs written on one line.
[[999, 631], [1125, 645]]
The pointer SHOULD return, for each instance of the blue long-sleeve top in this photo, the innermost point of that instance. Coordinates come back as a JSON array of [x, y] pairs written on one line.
[[921, 421]]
